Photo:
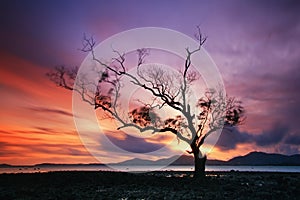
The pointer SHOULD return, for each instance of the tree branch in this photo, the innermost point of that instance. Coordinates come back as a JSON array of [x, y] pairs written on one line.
[[162, 86]]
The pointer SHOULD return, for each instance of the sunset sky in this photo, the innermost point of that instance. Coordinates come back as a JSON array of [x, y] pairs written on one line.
[[255, 45]]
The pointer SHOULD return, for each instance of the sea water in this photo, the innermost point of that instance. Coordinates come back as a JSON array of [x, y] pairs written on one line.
[[145, 168]]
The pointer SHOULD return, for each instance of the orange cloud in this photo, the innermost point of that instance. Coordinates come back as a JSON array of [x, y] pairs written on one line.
[[37, 126], [36, 118]]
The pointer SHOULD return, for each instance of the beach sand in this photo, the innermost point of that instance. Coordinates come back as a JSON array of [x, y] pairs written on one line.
[[152, 185]]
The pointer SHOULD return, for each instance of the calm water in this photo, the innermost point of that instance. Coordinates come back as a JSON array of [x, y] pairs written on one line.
[[148, 168]]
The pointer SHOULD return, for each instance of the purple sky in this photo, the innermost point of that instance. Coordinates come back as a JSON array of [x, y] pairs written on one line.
[[255, 44]]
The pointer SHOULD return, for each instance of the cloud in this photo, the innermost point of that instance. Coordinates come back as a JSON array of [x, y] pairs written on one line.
[[51, 110], [292, 139], [134, 144], [258, 56], [272, 136], [40, 149], [45, 130], [230, 138], [287, 149], [254, 43], [279, 137], [59, 149], [42, 144]]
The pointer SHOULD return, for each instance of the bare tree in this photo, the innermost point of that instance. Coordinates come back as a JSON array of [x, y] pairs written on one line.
[[193, 126]]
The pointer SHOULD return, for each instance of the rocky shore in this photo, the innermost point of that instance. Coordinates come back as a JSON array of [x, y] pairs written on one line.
[[152, 185]]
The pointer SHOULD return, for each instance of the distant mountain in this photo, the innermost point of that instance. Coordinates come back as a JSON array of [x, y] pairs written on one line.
[[76, 164], [174, 160], [164, 161], [260, 158], [50, 165], [136, 161], [189, 160], [253, 158], [5, 165]]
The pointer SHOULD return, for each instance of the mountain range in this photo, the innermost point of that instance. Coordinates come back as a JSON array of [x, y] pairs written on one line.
[[251, 159]]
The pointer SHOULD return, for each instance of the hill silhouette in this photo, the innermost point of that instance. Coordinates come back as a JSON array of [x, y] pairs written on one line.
[[250, 159]]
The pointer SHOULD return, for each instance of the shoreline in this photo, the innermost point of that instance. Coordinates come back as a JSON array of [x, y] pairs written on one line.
[[146, 168], [149, 185]]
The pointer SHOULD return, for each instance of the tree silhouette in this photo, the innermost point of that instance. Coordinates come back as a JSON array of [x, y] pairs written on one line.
[[193, 126]]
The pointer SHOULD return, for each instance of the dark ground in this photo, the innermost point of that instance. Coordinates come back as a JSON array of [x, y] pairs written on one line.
[[154, 185]]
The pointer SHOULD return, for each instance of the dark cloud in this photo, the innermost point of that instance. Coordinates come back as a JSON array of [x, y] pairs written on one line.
[[272, 136], [45, 129], [51, 149], [4, 132], [134, 144], [76, 152], [230, 137], [39, 131], [292, 139], [279, 136], [51, 110], [9, 90], [3, 144], [287, 149], [5, 152], [59, 149]]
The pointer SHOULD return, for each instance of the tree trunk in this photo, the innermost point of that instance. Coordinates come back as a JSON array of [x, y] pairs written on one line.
[[199, 159], [199, 162]]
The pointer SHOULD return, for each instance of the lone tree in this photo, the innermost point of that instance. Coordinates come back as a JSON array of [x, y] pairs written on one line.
[[192, 125]]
